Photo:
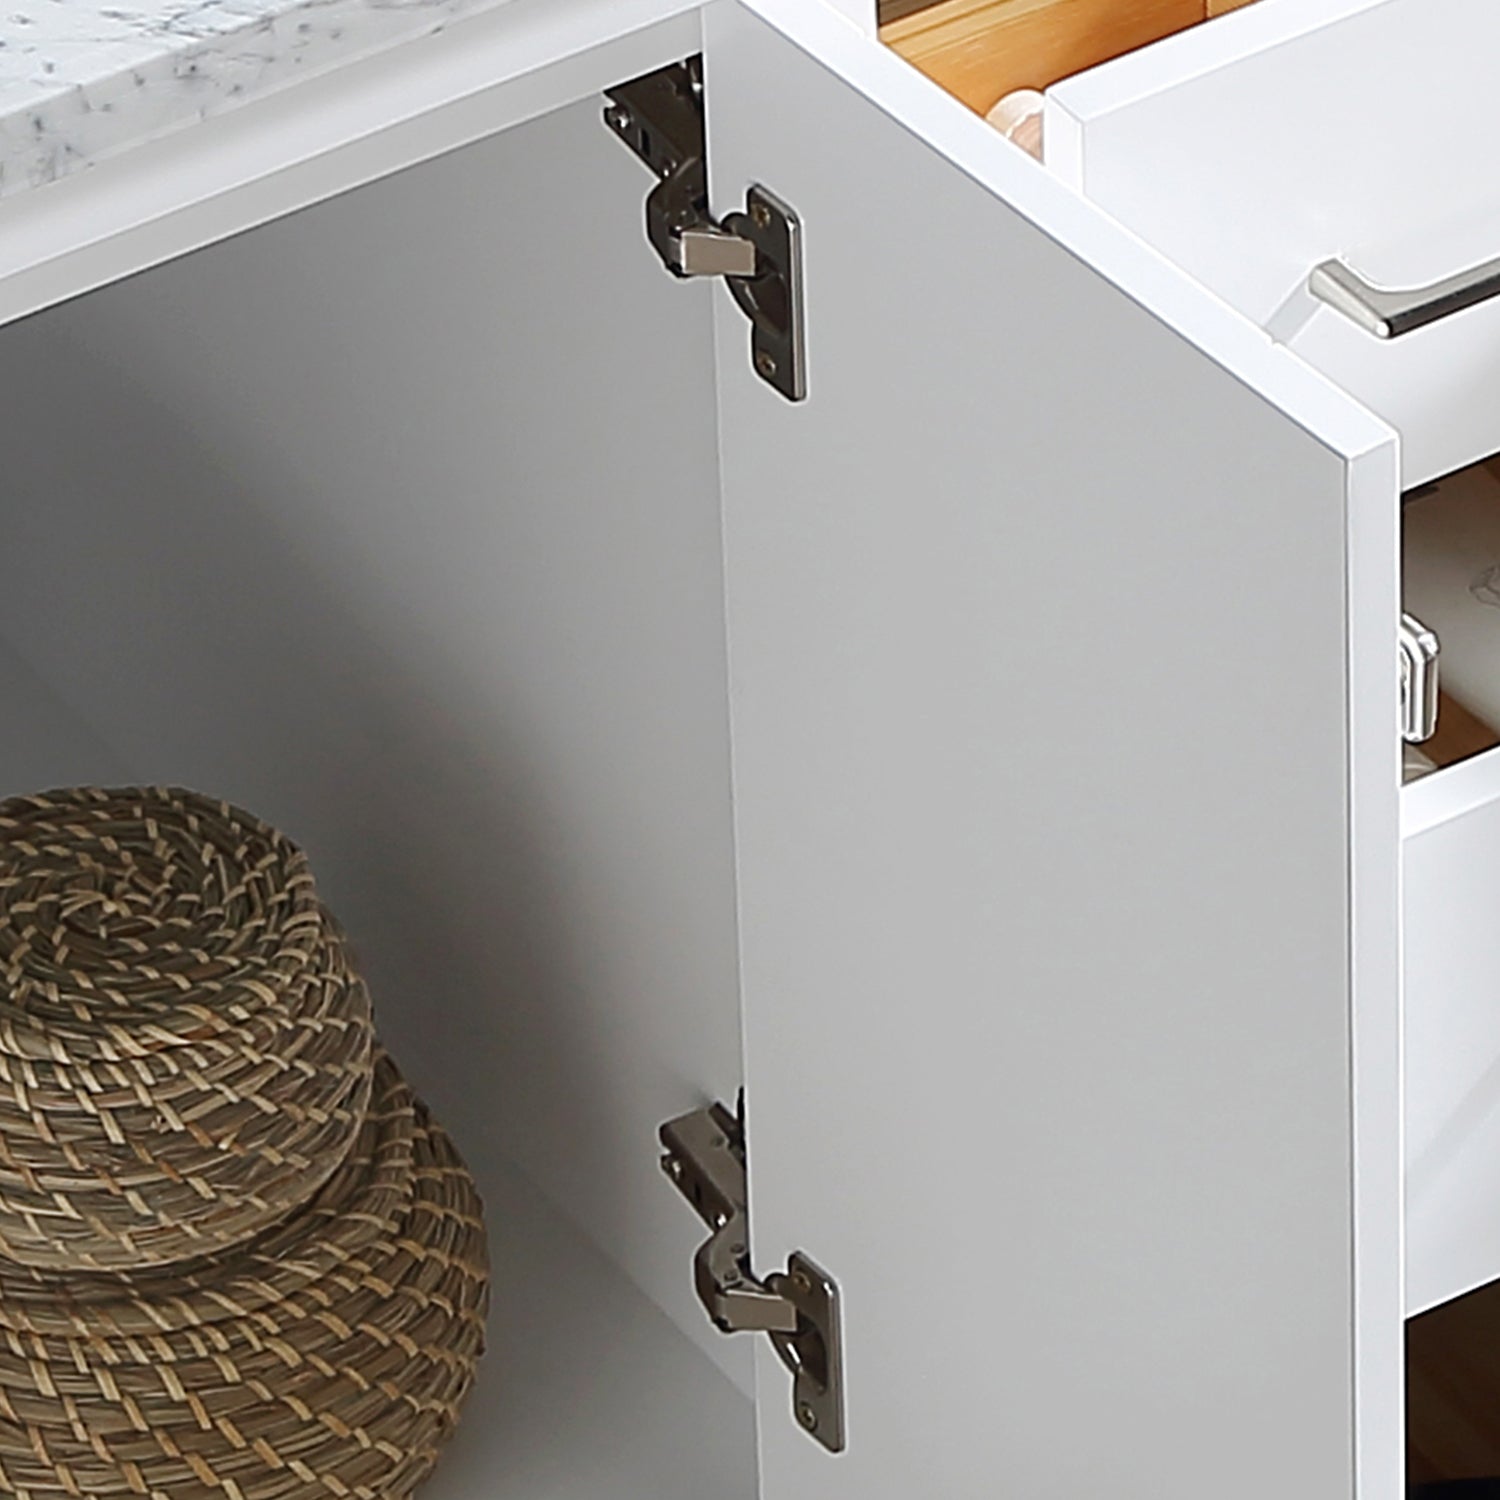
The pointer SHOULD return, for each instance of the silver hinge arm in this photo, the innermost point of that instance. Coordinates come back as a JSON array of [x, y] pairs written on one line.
[[660, 117], [703, 1158], [758, 252], [704, 1155]]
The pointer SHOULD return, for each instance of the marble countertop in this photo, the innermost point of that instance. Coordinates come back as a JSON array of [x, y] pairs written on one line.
[[81, 80]]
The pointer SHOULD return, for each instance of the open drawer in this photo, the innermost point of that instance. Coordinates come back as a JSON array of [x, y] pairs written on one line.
[[1451, 847], [1354, 135], [1451, 842]]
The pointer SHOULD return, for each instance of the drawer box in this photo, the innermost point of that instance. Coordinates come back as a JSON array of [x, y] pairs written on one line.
[[1451, 856], [1451, 919], [1295, 132]]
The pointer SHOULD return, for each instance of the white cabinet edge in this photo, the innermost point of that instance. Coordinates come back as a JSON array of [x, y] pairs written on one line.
[[1376, 1059], [1442, 796], [1187, 55]]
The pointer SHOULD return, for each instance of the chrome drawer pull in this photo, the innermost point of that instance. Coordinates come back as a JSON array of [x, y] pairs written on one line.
[[1419, 681], [1388, 312]]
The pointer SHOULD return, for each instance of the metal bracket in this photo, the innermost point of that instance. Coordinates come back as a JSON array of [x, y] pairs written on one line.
[[758, 252], [1419, 681], [704, 1154]]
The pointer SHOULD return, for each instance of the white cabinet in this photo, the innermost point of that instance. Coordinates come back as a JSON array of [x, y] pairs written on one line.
[[989, 761]]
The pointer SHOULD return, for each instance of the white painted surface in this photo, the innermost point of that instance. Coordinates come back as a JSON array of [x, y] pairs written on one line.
[[1253, 148], [862, 12], [347, 127], [47, 743], [588, 1392], [1458, 791], [366, 521], [1452, 873], [1049, 949]]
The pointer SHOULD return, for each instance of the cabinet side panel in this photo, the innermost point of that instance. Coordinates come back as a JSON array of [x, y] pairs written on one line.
[[397, 521]]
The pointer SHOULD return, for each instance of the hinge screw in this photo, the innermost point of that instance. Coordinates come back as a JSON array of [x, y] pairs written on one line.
[[617, 117], [765, 364], [762, 215], [808, 1417]]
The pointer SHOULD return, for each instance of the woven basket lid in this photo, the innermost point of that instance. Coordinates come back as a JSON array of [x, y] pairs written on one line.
[[185, 1049], [329, 1357]]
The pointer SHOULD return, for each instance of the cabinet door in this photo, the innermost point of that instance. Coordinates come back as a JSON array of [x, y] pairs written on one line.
[[1061, 625]]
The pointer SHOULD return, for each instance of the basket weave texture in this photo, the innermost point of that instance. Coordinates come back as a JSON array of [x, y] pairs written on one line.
[[237, 1257]]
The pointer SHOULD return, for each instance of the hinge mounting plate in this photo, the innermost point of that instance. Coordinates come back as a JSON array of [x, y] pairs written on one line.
[[758, 252], [704, 1155]]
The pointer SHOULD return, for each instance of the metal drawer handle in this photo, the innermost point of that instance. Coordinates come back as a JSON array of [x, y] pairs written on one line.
[[1419, 681], [1388, 312]]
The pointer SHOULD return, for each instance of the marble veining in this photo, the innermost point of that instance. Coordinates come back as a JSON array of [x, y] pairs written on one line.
[[81, 80]]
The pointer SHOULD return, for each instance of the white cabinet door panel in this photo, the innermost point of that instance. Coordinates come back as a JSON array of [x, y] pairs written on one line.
[[1056, 647]]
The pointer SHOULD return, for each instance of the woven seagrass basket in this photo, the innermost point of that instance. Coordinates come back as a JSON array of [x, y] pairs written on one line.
[[328, 1357], [184, 1049], [237, 1257]]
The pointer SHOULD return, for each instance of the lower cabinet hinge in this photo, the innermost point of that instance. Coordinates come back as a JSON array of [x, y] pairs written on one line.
[[758, 252], [704, 1154]]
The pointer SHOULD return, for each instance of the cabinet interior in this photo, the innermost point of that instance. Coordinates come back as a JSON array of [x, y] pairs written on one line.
[[981, 50], [283, 530], [352, 520]]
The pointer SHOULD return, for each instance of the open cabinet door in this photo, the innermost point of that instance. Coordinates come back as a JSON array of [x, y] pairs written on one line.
[[1061, 626]]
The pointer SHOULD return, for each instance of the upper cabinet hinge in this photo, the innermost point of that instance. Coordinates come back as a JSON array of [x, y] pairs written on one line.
[[758, 252], [704, 1154]]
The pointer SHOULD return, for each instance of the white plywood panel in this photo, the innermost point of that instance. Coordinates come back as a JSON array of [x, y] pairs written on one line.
[[1072, 1050], [397, 521], [861, 12], [1294, 131], [1451, 854], [588, 1391], [44, 742]]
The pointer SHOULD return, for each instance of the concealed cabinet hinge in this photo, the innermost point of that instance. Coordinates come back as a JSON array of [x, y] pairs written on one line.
[[758, 252], [798, 1308]]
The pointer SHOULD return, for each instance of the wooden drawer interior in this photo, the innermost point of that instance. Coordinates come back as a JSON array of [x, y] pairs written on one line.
[[1453, 1391], [981, 50]]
